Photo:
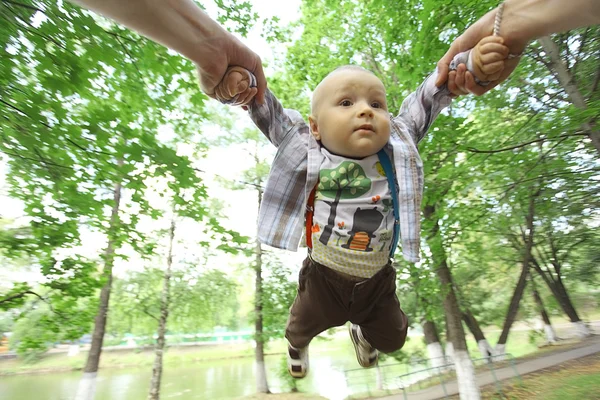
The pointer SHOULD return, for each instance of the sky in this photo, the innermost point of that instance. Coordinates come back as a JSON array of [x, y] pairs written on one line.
[[239, 206]]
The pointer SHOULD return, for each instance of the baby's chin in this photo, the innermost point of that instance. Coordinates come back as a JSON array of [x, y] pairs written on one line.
[[363, 150], [366, 146]]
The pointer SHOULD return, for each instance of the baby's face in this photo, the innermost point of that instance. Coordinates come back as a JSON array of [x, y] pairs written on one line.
[[350, 115]]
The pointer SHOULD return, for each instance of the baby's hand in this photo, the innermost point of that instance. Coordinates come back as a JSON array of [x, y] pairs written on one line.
[[237, 88], [488, 58]]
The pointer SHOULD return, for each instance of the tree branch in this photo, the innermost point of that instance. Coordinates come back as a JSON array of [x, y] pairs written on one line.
[[22, 5], [582, 43], [20, 295], [473, 150], [32, 159]]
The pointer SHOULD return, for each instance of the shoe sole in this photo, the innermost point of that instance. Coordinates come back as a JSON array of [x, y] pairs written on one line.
[[297, 375], [294, 374], [355, 343]]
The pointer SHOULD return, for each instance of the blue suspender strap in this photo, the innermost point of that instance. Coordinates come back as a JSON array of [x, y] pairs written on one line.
[[389, 173]]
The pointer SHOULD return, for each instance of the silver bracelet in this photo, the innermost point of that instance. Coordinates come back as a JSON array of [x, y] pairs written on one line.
[[497, 22]]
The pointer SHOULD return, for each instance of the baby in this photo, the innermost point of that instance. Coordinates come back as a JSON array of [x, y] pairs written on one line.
[[352, 179]]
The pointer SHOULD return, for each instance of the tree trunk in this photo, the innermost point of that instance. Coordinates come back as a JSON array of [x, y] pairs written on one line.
[[559, 291], [435, 351], [513, 307], [465, 372], [558, 67], [74, 350], [380, 378], [511, 314], [485, 348], [87, 386], [262, 385], [165, 301], [550, 335], [581, 329]]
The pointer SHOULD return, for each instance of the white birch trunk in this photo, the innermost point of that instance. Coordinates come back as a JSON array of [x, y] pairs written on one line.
[[380, 378], [436, 355], [499, 351], [449, 353], [581, 329], [261, 378], [550, 334], [465, 375], [165, 302], [87, 386], [485, 348], [73, 350]]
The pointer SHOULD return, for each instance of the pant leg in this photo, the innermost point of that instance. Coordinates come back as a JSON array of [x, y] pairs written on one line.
[[319, 305], [377, 310]]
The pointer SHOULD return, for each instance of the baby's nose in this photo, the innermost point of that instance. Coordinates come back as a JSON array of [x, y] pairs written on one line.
[[366, 111]]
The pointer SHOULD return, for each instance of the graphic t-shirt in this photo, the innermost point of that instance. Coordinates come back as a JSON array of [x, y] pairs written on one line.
[[353, 217]]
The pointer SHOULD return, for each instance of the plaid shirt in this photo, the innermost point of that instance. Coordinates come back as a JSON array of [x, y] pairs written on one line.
[[295, 169]]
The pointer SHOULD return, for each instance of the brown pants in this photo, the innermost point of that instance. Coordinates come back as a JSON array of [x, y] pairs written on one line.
[[326, 299]]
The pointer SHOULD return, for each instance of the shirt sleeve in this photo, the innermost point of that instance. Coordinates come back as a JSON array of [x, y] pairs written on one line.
[[420, 109], [274, 121]]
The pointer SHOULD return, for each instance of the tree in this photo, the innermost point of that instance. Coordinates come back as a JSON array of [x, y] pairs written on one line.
[[465, 371], [485, 348], [433, 343], [162, 322], [548, 329], [82, 101], [333, 184], [255, 178], [86, 388]]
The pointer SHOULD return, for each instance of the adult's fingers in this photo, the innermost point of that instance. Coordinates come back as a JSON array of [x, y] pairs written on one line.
[[469, 38], [220, 93], [452, 87], [443, 65], [460, 78], [472, 87]]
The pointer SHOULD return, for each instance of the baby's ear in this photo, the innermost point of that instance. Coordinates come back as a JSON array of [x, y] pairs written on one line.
[[314, 128]]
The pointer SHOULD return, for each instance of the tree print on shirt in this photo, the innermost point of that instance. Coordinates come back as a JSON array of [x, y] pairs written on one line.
[[347, 181]]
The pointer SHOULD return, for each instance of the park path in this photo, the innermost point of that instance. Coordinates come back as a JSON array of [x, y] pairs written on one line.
[[486, 378]]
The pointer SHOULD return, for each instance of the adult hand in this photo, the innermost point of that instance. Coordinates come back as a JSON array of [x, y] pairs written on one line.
[[236, 88], [184, 27], [462, 81], [480, 29], [229, 52]]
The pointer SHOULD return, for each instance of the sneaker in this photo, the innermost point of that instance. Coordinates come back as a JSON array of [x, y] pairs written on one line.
[[366, 355], [297, 361]]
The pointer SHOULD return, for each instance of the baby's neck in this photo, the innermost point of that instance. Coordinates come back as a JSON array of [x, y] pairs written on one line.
[[345, 156]]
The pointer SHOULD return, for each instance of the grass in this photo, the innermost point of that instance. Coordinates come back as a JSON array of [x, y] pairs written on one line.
[[577, 379], [518, 345]]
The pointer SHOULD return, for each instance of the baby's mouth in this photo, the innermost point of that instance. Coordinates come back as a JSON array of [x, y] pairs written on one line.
[[365, 127]]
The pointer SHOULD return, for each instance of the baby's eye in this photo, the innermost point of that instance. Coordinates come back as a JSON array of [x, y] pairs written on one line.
[[376, 104], [345, 103]]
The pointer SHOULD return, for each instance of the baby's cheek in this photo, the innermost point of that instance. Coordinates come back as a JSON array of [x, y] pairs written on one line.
[[387, 126]]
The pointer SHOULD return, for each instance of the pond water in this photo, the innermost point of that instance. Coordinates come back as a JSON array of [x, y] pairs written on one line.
[[222, 379]]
